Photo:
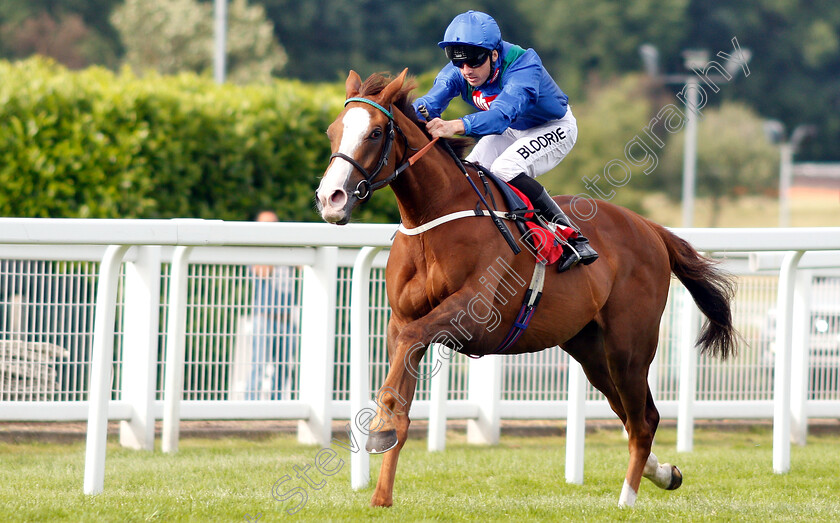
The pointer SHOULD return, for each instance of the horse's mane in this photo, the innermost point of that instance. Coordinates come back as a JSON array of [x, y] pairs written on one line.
[[376, 82]]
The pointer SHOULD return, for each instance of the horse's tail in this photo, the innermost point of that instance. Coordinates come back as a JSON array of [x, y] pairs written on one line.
[[711, 289]]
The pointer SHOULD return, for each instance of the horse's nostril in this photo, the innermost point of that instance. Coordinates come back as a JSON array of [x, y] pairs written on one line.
[[338, 198]]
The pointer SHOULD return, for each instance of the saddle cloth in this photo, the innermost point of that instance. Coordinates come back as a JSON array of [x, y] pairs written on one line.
[[548, 248]]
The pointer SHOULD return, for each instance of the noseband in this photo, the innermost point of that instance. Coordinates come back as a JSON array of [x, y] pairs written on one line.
[[366, 186]]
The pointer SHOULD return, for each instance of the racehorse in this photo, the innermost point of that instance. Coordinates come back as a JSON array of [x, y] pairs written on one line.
[[605, 315]]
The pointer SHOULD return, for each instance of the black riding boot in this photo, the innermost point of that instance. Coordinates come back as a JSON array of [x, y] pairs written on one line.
[[578, 249]]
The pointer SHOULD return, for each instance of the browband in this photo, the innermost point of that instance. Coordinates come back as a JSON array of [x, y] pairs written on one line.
[[370, 102]]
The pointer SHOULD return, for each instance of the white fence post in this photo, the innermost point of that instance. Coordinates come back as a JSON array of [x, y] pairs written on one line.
[[101, 368], [690, 317], [317, 346], [800, 352], [781, 379], [360, 362], [575, 423], [439, 391], [485, 389], [141, 320], [176, 335]]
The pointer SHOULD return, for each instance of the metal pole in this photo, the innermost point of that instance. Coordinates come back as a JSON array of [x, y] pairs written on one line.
[[437, 403], [220, 41], [690, 153], [317, 335], [785, 178]]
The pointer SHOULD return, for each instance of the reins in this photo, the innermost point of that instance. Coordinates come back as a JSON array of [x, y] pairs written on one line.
[[496, 220], [366, 187]]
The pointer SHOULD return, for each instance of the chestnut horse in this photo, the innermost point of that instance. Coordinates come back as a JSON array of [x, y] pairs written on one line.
[[605, 315]]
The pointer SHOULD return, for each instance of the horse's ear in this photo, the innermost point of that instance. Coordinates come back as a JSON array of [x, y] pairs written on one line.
[[394, 87], [353, 84]]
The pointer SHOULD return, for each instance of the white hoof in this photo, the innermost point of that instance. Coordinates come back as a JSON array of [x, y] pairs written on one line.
[[628, 496]]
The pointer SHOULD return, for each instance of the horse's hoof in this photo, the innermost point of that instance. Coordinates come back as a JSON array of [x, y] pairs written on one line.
[[376, 501], [676, 478], [382, 441]]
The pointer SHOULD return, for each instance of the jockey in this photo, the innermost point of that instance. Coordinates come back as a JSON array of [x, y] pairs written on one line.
[[525, 125]]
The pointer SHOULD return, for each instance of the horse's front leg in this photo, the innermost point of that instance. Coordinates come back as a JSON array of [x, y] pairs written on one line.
[[407, 345], [389, 429]]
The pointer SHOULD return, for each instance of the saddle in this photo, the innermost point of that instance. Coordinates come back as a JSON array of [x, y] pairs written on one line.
[[546, 244]]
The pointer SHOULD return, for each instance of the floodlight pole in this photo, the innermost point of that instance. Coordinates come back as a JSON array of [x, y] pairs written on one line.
[[220, 41], [785, 181], [775, 131], [694, 60], [690, 153]]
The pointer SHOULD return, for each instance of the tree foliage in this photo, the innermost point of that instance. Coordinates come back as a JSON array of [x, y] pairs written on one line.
[[184, 36], [795, 44], [579, 39], [612, 117], [734, 157], [795, 69], [65, 31], [87, 140]]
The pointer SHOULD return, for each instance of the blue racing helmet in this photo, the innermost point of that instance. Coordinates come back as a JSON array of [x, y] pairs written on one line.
[[472, 28]]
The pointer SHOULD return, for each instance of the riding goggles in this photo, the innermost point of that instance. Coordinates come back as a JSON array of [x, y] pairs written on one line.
[[461, 55]]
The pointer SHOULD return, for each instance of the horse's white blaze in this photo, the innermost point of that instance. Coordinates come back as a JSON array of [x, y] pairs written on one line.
[[659, 474], [356, 123]]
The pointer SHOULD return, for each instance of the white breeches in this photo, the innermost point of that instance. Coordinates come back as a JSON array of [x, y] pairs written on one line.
[[531, 151]]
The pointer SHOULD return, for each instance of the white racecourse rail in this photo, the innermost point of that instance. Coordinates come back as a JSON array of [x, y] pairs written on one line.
[[139, 310]]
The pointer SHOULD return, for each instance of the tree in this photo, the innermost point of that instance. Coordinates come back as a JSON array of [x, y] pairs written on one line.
[[326, 38], [795, 61], [734, 158], [74, 32], [580, 38], [183, 38], [607, 121], [42, 34]]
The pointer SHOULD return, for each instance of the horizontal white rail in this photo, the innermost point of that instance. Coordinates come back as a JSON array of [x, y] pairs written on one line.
[[772, 261], [190, 232], [195, 232]]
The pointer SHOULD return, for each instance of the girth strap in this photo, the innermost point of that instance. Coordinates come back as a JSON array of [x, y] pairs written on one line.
[[526, 312]]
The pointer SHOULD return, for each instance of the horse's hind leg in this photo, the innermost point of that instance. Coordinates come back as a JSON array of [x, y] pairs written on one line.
[[663, 475], [629, 354], [589, 347]]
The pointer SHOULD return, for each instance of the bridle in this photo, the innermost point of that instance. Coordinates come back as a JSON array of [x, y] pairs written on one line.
[[365, 187]]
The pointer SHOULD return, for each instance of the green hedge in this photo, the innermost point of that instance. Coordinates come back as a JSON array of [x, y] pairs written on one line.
[[95, 144]]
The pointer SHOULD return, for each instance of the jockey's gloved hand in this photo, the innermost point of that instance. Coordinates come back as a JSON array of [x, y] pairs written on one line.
[[417, 104]]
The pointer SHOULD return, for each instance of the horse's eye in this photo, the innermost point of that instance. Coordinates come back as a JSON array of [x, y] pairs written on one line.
[[376, 133]]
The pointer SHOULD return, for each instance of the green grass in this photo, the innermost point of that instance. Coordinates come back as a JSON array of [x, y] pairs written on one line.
[[727, 478]]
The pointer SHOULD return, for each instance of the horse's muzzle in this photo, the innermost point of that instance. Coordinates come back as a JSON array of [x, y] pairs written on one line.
[[333, 208]]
